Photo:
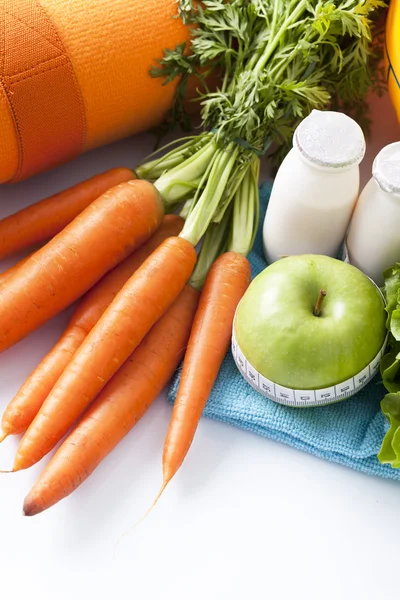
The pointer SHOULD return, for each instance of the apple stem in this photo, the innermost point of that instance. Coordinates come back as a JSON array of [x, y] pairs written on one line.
[[318, 304]]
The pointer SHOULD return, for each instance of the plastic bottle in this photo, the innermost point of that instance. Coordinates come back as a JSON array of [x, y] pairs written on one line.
[[316, 188], [373, 241]]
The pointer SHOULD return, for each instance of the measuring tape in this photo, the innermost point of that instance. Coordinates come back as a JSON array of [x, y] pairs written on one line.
[[305, 398]]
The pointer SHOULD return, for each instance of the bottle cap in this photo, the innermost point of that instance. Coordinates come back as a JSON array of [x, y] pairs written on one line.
[[386, 168], [330, 139]]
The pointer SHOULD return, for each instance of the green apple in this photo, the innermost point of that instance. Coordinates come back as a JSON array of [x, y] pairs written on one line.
[[288, 341]]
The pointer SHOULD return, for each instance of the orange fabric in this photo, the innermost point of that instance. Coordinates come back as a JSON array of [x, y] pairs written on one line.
[[42, 91], [9, 152], [111, 45]]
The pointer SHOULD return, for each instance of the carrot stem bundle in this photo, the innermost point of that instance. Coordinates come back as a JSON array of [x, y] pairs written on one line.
[[136, 308], [225, 285], [97, 240], [21, 411], [119, 406], [43, 220]]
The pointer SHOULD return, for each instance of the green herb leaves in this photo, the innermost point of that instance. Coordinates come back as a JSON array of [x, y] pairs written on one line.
[[274, 61], [278, 59]]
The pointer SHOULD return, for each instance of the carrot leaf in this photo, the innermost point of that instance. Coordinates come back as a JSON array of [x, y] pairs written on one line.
[[276, 61]]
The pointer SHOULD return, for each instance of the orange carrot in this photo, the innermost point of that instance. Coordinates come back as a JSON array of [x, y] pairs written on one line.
[[209, 341], [95, 302], [97, 240], [119, 406], [6, 274], [136, 308], [43, 220], [21, 411]]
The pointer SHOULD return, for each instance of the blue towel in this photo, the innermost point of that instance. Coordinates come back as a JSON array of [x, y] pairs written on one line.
[[349, 432]]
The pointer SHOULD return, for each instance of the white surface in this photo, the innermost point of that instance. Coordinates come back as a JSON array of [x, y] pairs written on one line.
[[244, 518]]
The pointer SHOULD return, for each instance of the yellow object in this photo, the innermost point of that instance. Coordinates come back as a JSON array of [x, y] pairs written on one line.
[[74, 75], [393, 53]]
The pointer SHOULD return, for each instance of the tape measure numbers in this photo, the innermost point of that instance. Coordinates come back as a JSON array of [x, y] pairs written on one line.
[[305, 398]]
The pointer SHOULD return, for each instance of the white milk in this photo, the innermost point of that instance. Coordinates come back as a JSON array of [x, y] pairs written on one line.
[[373, 241], [316, 188]]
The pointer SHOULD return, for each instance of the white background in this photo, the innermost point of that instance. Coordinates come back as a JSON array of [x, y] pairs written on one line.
[[244, 518]]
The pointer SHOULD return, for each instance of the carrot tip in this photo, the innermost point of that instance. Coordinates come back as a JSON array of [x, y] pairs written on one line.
[[11, 471], [3, 436], [30, 509], [146, 514], [19, 465], [148, 511]]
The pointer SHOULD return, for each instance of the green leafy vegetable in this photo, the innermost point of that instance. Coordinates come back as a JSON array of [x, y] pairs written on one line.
[[390, 369], [391, 290], [390, 449], [276, 60]]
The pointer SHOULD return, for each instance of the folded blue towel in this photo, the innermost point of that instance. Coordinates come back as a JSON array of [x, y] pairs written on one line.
[[349, 433]]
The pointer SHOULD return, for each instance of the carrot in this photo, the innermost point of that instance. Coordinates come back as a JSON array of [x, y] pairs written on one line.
[[21, 411], [97, 240], [136, 308], [43, 220], [6, 274], [119, 406], [95, 302], [209, 341]]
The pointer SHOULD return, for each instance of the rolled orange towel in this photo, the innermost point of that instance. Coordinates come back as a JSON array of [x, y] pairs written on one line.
[[74, 75]]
